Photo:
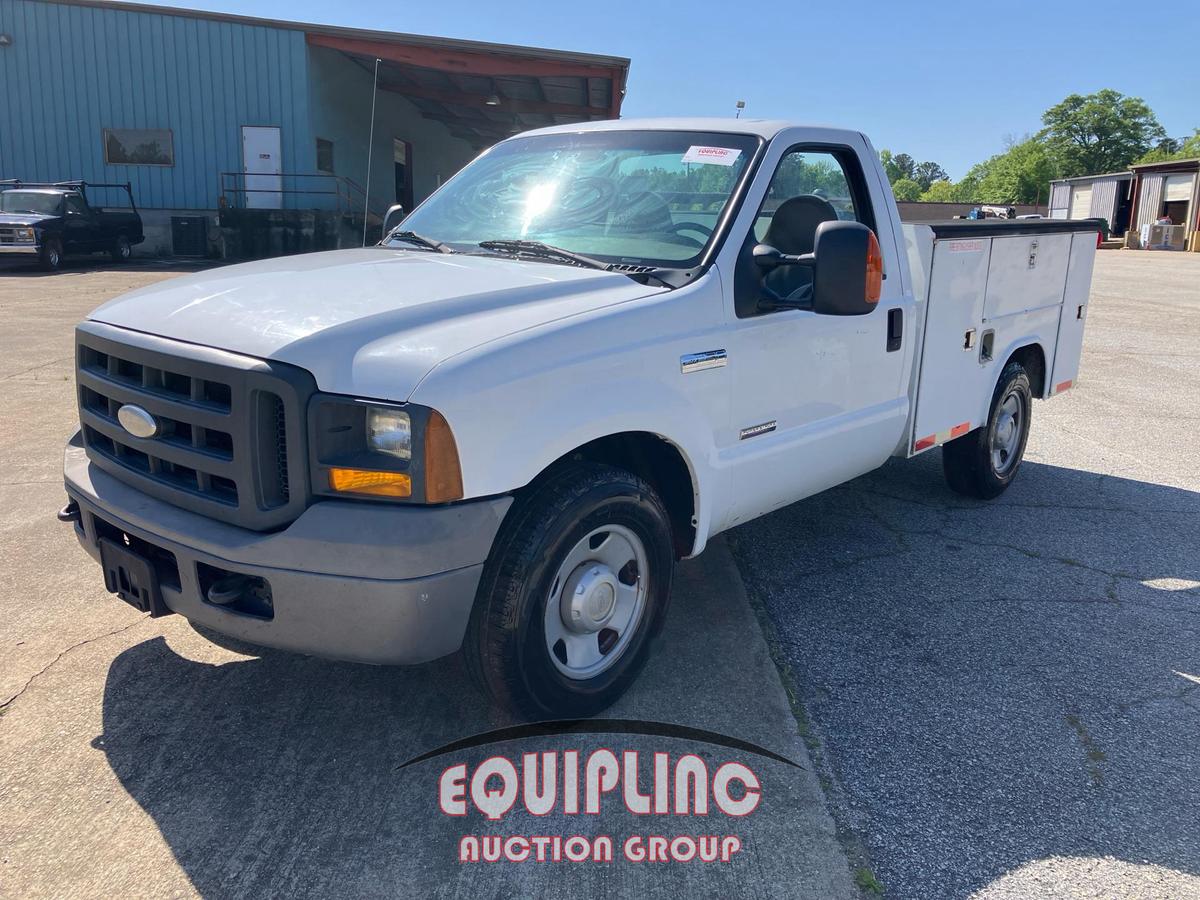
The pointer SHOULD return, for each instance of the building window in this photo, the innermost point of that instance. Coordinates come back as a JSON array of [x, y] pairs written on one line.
[[324, 155], [139, 147]]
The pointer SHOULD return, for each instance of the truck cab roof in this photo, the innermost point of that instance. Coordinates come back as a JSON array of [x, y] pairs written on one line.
[[763, 128]]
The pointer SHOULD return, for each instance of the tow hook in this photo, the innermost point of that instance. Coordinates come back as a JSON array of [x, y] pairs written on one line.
[[228, 590], [69, 513]]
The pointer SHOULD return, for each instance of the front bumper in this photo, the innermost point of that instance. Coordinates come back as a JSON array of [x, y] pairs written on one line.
[[364, 582], [19, 249]]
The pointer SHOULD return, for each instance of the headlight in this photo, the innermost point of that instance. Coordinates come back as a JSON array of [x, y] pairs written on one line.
[[389, 431], [25, 234], [361, 448]]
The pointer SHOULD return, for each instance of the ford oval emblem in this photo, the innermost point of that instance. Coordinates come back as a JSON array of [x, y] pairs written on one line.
[[137, 421]]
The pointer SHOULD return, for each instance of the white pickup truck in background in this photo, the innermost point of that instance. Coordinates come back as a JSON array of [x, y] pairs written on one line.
[[590, 351]]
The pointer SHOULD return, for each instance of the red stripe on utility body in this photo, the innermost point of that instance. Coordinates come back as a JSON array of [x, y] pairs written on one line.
[[925, 443], [960, 430], [1058, 389]]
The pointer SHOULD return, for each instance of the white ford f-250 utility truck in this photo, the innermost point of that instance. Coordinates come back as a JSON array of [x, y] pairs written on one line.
[[590, 351]]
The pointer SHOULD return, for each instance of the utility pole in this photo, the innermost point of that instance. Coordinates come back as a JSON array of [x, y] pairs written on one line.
[[370, 152]]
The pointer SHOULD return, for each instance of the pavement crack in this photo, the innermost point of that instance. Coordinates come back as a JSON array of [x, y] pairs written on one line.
[[1092, 752], [52, 362], [46, 668]]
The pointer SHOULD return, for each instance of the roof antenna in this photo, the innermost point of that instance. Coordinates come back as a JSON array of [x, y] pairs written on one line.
[[740, 105]]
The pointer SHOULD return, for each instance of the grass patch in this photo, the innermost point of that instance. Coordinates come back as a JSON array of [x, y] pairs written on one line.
[[866, 881]]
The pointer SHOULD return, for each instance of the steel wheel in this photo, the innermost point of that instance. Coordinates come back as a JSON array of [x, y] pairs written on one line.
[[596, 601], [1006, 436]]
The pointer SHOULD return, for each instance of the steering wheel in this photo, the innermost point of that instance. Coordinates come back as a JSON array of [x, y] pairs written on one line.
[[678, 227]]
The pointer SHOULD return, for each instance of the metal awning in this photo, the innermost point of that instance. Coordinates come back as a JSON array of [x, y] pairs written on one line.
[[485, 95]]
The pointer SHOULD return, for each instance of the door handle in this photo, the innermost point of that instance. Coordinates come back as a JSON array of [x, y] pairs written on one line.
[[895, 333]]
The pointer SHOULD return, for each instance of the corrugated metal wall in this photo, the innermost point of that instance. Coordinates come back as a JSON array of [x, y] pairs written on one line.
[[1060, 200], [1150, 199], [1104, 200], [73, 71]]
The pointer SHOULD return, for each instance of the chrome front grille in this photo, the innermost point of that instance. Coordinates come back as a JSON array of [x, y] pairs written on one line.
[[229, 442]]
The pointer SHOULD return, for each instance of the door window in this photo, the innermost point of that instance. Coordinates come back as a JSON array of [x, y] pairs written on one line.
[[75, 205], [811, 185], [817, 182]]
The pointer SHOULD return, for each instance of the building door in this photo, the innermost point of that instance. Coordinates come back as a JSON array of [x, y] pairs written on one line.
[[261, 161], [1081, 202], [402, 160], [1177, 196]]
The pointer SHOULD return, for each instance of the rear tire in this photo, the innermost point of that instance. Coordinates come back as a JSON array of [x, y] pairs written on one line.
[[50, 256], [983, 463], [575, 587], [121, 249]]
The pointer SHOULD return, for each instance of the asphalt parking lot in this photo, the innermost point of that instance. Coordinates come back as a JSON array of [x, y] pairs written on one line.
[[1006, 696], [999, 699]]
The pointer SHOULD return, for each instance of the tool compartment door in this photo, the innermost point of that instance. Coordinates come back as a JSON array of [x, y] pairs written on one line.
[[951, 377], [1026, 273], [1071, 321]]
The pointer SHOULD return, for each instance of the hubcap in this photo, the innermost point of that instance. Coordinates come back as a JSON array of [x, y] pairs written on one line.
[[596, 602], [1006, 436]]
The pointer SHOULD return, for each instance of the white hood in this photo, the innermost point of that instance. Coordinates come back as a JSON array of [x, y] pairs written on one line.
[[369, 322]]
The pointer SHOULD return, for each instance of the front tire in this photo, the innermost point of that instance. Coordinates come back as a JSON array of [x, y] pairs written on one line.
[[50, 256], [983, 463], [121, 249], [575, 587]]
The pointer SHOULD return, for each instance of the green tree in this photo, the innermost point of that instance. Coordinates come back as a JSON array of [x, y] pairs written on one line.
[[941, 191], [1174, 148], [906, 189], [905, 165], [890, 169], [927, 173], [1021, 174], [946, 191], [1101, 132]]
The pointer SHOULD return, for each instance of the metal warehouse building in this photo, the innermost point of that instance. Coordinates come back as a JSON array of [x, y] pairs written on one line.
[[246, 136], [1108, 197], [1169, 190]]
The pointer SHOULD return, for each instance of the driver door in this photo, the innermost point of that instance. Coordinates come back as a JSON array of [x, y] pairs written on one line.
[[817, 399], [78, 236]]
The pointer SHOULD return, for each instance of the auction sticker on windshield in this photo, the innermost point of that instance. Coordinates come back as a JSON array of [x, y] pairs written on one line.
[[717, 156]]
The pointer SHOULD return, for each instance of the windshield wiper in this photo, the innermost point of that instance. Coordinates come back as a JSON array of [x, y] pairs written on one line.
[[539, 250], [420, 240]]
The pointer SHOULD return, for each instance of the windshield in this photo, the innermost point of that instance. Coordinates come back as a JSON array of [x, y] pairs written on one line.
[[633, 197], [30, 201]]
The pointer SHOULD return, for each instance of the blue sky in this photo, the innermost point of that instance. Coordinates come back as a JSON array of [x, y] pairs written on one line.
[[946, 81]]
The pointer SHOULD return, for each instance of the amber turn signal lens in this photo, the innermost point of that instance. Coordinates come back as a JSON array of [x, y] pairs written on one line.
[[376, 484], [874, 270], [443, 473]]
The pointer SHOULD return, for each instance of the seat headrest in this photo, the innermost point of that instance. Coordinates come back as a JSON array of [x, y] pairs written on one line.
[[793, 228]]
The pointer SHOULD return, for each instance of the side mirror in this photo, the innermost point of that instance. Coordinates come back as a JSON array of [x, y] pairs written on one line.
[[769, 258], [848, 270], [393, 217]]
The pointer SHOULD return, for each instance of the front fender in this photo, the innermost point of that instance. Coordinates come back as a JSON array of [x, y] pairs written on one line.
[[519, 404]]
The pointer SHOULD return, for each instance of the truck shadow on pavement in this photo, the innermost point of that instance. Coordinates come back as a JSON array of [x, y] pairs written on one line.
[[283, 775], [992, 685], [1003, 692]]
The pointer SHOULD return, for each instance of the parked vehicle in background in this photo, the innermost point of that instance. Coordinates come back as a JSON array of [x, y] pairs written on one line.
[[590, 351], [993, 212], [52, 221]]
